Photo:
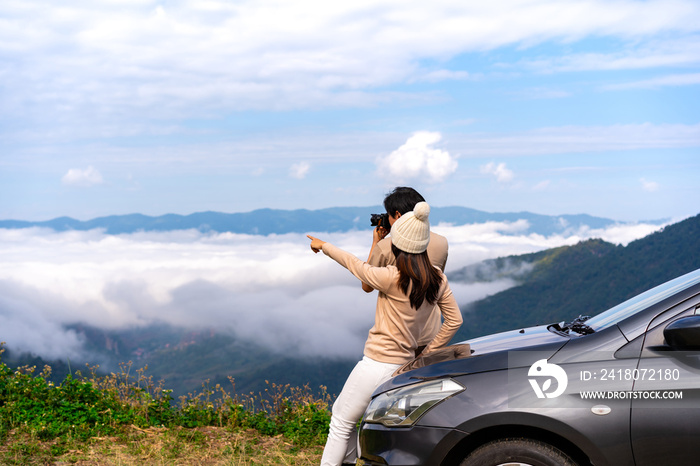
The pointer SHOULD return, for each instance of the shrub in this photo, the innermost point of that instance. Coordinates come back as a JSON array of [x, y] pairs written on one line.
[[82, 407]]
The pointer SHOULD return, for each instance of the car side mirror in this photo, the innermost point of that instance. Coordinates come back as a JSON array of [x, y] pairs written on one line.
[[684, 333]]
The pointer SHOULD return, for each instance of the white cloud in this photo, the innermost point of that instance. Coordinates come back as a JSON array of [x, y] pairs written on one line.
[[418, 160], [299, 170], [442, 75], [464, 122], [502, 174], [649, 186], [580, 139], [690, 79], [542, 185], [537, 93], [216, 55], [258, 151], [477, 242], [32, 321], [82, 177], [640, 55], [619, 234], [271, 289], [468, 293]]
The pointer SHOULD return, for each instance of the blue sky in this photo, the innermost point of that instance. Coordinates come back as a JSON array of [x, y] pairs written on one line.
[[554, 107]]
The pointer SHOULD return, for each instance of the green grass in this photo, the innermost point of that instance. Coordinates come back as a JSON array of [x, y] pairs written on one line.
[[126, 415]]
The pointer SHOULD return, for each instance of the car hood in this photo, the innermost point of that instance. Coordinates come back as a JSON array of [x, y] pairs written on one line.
[[488, 353], [515, 339]]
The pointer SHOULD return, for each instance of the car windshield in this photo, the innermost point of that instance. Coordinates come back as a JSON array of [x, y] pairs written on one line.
[[643, 301]]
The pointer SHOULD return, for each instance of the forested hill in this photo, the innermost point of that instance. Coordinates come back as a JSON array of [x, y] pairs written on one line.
[[584, 279]]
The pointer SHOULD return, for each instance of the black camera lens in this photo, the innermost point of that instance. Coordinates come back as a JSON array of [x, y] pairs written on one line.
[[380, 220]]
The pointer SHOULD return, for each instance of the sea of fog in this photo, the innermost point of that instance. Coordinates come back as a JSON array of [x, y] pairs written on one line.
[[270, 289]]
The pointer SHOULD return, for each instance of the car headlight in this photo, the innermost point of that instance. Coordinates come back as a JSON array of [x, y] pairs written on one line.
[[404, 406]]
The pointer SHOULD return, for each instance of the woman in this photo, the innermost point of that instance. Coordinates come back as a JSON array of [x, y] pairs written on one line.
[[408, 292]]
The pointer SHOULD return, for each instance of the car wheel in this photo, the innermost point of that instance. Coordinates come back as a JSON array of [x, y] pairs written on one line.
[[517, 452]]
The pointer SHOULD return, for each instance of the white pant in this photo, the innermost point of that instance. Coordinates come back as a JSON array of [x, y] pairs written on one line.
[[367, 375]]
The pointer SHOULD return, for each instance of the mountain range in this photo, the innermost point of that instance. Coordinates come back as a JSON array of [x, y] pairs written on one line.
[[337, 219]]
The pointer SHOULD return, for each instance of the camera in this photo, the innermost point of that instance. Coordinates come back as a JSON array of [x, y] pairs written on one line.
[[380, 220]]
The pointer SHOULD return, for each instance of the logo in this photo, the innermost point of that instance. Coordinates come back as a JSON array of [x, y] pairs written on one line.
[[543, 369]]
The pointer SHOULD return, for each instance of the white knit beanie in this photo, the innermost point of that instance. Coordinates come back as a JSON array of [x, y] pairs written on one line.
[[411, 232]]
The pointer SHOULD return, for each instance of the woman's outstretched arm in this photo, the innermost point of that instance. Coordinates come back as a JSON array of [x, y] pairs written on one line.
[[379, 278]]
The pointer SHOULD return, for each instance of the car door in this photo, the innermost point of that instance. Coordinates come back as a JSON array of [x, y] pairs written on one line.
[[665, 409]]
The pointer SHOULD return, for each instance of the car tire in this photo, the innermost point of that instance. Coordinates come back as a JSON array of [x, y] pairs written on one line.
[[517, 452]]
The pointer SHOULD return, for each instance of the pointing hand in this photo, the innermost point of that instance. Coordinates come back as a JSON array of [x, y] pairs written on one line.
[[316, 244]]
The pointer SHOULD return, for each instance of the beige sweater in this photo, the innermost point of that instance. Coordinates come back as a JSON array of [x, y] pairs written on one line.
[[397, 325], [437, 252]]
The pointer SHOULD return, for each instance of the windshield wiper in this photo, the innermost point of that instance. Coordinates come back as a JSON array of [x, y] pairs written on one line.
[[577, 325]]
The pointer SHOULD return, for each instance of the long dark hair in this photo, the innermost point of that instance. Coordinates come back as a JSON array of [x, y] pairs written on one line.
[[417, 271]]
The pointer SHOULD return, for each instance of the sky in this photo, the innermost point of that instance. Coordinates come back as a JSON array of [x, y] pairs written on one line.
[[548, 106]]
